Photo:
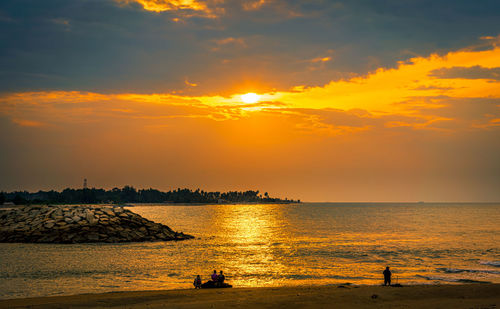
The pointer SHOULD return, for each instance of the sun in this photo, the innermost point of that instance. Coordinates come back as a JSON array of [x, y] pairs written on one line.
[[250, 97]]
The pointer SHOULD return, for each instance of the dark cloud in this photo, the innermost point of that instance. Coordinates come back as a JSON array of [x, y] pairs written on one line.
[[424, 88], [474, 72], [106, 46]]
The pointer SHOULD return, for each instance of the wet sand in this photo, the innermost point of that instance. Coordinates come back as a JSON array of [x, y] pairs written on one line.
[[429, 296]]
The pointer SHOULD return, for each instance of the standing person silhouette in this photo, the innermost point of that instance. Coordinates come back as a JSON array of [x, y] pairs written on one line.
[[387, 276]]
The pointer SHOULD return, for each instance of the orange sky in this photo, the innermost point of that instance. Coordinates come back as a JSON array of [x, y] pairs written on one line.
[[427, 128]]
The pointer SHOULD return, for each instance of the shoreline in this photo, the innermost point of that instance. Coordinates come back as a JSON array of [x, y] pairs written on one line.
[[159, 204], [370, 296]]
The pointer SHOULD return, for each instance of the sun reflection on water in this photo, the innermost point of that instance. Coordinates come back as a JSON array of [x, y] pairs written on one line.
[[255, 232]]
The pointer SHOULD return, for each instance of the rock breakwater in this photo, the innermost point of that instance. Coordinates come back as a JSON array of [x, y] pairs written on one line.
[[80, 224]]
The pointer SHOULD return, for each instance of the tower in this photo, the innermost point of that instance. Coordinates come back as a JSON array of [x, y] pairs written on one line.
[[85, 183]]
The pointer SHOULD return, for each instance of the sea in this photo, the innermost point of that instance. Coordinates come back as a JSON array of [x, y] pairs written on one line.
[[265, 245]]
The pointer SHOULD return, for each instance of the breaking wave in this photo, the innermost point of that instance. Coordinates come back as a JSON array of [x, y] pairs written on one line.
[[490, 263], [458, 270], [458, 280]]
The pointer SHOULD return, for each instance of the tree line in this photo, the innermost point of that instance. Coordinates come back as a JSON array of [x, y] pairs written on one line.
[[129, 194]]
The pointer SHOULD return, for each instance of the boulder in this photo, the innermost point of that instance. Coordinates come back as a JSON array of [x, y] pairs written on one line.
[[108, 211], [80, 224], [49, 225]]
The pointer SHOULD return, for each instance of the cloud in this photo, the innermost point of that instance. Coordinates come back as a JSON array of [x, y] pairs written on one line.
[[230, 41], [321, 59], [254, 4], [61, 21], [121, 47], [188, 83], [194, 6], [424, 88], [406, 91], [473, 72], [28, 123]]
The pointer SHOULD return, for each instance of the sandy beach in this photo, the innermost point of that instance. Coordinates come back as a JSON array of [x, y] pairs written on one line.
[[423, 296]]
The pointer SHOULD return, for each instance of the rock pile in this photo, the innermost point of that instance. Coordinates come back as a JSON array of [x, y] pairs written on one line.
[[80, 224]]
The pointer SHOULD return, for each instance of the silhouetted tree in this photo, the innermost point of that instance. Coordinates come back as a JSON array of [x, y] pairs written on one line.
[[19, 200], [129, 194]]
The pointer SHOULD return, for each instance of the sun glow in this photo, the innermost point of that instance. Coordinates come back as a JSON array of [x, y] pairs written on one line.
[[250, 97]]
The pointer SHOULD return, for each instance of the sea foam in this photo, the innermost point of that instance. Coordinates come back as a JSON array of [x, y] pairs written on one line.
[[490, 263]]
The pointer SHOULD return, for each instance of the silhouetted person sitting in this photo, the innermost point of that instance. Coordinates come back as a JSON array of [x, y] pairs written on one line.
[[215, 278], [220, 279], [387, 276], [217, 281], [197, 282]]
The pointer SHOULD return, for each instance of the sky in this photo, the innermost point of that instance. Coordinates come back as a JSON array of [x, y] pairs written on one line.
[[355, 100]]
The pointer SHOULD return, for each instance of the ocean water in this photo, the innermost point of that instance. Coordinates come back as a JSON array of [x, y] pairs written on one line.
[[272, 245]]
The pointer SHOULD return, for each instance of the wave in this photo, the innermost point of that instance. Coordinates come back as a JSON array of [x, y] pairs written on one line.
[[296, 277], [490, 263], [54, 274], [458, 270], [433, 278]]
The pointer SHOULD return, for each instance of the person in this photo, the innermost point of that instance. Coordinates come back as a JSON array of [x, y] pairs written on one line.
[[220, 279], [197, 282], [215, 278], [387, 276]]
